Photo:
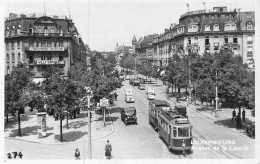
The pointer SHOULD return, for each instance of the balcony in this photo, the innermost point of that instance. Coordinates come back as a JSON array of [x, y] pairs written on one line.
[[207, 45], [45, 49], [216, 44], [236, 46]]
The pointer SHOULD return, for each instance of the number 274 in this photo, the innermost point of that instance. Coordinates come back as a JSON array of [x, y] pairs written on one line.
[[9, 155]]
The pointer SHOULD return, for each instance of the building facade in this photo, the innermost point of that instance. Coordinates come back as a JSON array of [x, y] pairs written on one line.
[[40, 41], [208, 30], [144, 49]]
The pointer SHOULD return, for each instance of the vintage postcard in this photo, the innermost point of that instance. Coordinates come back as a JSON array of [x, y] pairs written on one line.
[[130, 81]]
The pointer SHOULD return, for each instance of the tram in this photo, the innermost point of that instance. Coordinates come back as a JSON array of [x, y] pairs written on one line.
[[175, 130], [155, 107]]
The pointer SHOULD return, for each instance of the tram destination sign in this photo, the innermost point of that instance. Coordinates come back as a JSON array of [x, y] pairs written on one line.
[[47, 62]]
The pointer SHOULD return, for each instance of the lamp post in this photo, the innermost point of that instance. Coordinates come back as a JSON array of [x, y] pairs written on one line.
[[216, 114], [89, 94]]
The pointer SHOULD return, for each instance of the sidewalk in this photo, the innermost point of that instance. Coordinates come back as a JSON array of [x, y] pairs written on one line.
[[77, 132]]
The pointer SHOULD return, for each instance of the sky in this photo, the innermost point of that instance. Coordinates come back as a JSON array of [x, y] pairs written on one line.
[[104, 23]]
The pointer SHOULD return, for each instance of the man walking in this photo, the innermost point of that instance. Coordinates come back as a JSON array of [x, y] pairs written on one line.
[[233, 114], [108, 150], [244, 115]]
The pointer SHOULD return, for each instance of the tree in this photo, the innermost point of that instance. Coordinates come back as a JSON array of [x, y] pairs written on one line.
[[14, 85]]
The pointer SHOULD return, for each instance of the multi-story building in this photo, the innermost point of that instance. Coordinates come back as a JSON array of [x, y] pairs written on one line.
[[40, 41], [208, 30], [144, 49]]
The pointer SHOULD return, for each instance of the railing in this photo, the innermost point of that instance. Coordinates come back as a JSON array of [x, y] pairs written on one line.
[[207, 45], [216, 44], [45, 49], [34, 15], [205, 11]]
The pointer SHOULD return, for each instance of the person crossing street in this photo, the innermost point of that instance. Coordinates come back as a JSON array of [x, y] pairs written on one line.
[[108, 150]]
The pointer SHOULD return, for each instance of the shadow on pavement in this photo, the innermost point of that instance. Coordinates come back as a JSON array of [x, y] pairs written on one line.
[[33, 130], [75, 125], [116, 110], [204, 108], [12, 122], [70, 136]]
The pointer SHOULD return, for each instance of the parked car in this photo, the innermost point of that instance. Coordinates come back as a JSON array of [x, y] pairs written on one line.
[[141, 87], [128, 115]]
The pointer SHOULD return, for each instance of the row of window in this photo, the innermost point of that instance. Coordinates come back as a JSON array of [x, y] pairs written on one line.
[[12, 45], [44, 57], [42, 43], [13, 57], [195, 28]]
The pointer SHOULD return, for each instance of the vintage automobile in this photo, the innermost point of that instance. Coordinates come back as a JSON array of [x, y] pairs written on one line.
[[128, 115], [141, 87], [151, 95], [136, 82]]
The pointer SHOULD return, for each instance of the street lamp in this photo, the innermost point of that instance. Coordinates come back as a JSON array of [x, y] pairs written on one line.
[[216, 114], [89, 94]]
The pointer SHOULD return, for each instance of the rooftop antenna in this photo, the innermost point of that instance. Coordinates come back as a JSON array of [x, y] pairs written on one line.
[[204, 5], [44, 10], [188, 7]]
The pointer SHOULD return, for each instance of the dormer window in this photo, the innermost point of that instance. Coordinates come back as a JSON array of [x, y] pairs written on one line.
[[207, 28], [192, 28], [45, 30], [230, 26], [249, 26], [216, 27]]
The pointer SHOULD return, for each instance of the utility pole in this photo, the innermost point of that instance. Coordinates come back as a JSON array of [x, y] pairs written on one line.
[[216, 114], [89, 129]]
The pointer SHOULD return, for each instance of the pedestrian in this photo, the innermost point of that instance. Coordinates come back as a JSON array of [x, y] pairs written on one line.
[[237, 120], [116, 96], [233, 114], [244, 115], [108, 150], [248, 127], [77, 154]]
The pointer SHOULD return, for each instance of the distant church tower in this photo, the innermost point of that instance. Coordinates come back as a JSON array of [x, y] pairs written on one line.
[[134, 41]]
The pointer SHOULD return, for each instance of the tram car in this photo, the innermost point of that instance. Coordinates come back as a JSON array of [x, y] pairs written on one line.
[[155, 107], [175, 130]]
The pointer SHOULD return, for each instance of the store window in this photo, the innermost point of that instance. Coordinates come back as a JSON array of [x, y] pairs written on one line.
[[12, 45], [30, 59], [216, 27], [7, 46], [31, 43]]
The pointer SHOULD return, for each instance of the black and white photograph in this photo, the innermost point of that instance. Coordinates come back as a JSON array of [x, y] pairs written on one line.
[[144, 81]]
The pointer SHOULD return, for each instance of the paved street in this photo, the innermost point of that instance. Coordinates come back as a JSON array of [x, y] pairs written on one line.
[[135, 141]]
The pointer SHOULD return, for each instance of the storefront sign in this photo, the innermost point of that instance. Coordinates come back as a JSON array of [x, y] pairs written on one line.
[[47, 62]]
